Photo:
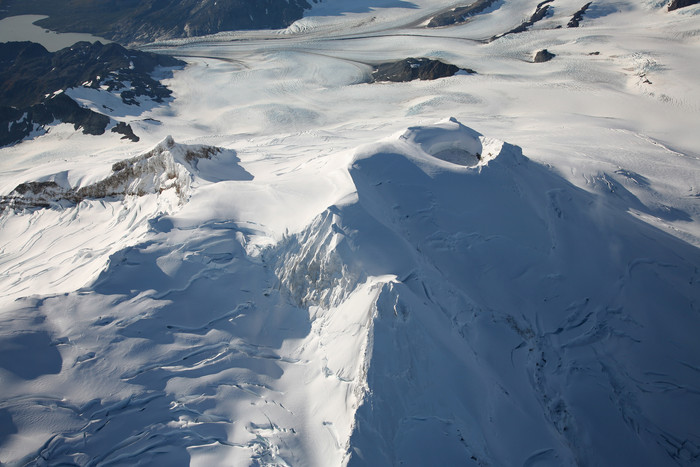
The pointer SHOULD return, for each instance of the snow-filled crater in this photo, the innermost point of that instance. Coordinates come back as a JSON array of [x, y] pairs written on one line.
[[452, 142]]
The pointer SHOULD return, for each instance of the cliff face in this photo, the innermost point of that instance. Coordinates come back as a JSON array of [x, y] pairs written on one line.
[[128, 21]]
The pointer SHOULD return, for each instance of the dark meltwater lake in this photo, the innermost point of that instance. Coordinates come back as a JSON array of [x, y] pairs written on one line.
[[20, 28]]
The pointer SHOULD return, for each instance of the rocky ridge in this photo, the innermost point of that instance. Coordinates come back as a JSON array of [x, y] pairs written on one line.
[[165, 167], [460, 14], [676, 4], [578, 16], [540, 13]]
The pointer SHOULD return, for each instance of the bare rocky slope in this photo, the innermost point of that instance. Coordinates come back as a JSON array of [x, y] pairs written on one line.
[[34, 80]]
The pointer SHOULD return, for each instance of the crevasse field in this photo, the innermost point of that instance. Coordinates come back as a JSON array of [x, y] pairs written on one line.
[[346, 281]]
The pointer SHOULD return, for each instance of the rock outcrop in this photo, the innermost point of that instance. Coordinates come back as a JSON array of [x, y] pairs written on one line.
[[460, 14], [540, 13], [676, 4], [543, 55], [126, 130], [578, 16], [28, 71], [410, 69]]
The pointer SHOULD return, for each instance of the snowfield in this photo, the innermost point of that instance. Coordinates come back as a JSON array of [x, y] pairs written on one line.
[[296, 267]]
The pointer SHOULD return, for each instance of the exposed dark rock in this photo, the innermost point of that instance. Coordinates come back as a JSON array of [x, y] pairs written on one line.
[[676, 4], [578, 16], [126, 130], [65, 109], [543, 55], [35, 188], [460, 14], [16, 124], [33, 194], [410, 69], [130, 21], [204, 152], [33, 80], [539, 14], [28, 72]]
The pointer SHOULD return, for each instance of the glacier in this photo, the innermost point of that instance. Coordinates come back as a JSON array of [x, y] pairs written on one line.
[[294, 266]]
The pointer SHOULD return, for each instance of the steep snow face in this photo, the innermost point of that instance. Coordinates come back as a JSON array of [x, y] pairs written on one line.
[[483, 344], [527, 321], [316, 266]]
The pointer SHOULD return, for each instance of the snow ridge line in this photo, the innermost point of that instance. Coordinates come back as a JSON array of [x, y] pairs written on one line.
[[167, 166]]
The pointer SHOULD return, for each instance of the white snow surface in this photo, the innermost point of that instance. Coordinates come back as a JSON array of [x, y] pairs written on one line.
[[500, 268]]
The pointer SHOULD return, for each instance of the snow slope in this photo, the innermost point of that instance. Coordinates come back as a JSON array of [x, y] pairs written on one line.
[[492, 269], [562, 327]]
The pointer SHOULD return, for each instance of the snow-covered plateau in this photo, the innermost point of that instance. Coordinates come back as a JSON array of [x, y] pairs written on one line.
[[297, 267]]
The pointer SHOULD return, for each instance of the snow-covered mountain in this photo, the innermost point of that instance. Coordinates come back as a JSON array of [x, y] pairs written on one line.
[[296, 265]]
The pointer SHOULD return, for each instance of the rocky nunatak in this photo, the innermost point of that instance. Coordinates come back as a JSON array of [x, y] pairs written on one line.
[[410, 69], [542, 56], [34, 80], [540, 13], [461, 14]]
